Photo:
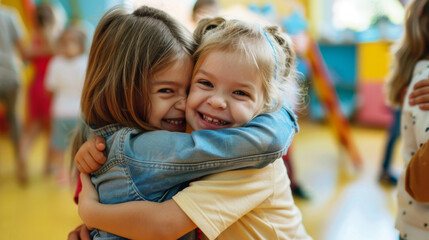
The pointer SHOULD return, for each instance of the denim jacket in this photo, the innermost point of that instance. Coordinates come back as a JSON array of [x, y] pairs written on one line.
[[155, 165]]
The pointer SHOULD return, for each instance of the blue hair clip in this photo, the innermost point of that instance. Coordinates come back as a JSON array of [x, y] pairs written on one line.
[[274, 51]]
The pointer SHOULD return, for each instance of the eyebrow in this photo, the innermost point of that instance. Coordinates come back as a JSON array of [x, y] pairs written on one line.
[[164, 82], [205, 72], [249, 86]]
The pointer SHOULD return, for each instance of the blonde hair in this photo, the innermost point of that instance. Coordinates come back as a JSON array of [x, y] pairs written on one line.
[[268, 49], [78, 33], [126, 51], [413, 47]]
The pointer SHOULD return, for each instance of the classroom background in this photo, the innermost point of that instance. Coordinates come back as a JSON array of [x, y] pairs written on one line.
[[344, 49]]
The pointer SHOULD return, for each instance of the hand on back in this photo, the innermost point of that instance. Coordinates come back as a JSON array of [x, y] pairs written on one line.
[[420, 95], [90, 156]]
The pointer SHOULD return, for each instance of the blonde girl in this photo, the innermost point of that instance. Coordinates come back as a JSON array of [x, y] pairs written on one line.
[[137, 80], [241, 70], [411, 65]]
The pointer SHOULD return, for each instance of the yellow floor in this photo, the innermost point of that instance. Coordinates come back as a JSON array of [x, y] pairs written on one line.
[[43, 210], [344, 204]]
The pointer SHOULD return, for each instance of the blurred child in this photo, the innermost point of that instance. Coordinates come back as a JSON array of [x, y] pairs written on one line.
[[64, 79], [241, 70], [205, 9], [411, 65], [39, 99], [10, 42]]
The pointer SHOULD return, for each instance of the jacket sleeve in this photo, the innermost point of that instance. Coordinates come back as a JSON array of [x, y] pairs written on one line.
[[260, 142], [161, 162]]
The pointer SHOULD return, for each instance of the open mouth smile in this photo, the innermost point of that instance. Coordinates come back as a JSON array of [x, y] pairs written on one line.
[[213, 121], [175, 122]]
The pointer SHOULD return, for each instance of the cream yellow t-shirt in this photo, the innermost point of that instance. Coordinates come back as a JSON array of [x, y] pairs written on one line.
[[244, 204]]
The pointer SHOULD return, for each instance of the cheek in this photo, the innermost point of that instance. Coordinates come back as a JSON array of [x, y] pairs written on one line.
[[192, 102], [193, 99], [243, 113], [158, 111], [154, 117]]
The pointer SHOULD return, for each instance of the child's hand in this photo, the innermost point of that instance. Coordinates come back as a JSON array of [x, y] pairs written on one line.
[[88, 197], [420, 95], [90, 155], [80, 233]]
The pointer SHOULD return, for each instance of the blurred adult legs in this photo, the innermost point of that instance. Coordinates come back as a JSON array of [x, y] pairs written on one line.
[[8, 94]]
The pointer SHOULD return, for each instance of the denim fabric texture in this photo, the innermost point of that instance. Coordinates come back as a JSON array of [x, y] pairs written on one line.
[[155, 165]]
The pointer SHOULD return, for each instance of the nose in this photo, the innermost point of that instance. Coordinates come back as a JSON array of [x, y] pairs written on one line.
[[181, 104], [217, 102]]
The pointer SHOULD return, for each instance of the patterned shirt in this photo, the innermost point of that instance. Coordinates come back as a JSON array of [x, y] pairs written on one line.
[[413, 217]]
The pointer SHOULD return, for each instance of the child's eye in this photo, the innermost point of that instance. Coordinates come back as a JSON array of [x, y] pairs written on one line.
[[206, 83], [240, 93], [165, 90]]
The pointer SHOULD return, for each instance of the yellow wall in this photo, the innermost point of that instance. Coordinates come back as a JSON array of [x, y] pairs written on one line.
[[373, 61]]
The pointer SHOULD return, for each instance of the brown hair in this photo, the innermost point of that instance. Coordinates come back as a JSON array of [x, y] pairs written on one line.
[[126, 51], [413, 47], [269, 49]]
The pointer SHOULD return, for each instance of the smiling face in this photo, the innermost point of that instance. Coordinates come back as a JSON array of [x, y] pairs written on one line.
[[168, 94], [225, 92]]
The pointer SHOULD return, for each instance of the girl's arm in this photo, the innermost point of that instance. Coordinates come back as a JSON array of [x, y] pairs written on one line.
[[420, 95], [258, 143], [135, 220]]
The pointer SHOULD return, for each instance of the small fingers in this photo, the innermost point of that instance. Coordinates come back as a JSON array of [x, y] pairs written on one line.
[[419, 91], [424, 106], [84, 233], [97, 157], [79, 233], [93, 165], [100, 143], [83, 167], [85, 161], [80, 168], [73, 235], [91, 161], [422, 83], [422, 99]]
